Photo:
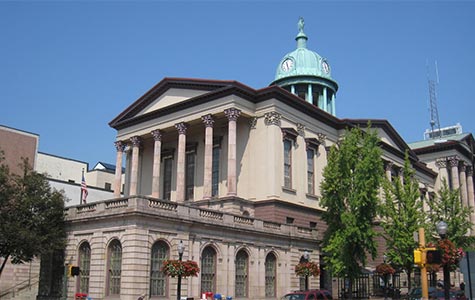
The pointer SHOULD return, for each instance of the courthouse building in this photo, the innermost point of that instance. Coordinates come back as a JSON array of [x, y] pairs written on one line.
[[234, 173]]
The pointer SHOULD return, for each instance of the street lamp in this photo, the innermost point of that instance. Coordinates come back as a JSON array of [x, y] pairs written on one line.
[[385, 278], [442, 231], [181, 248], [306, 256]]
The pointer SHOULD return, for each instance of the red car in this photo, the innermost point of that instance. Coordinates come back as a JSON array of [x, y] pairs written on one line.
[[308, 295]]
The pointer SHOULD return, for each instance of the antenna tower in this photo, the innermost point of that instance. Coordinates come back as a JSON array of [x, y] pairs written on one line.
[[434, 113]]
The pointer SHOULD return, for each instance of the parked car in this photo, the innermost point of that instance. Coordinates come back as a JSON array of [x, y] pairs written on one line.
[[416, 293], [308, 295]]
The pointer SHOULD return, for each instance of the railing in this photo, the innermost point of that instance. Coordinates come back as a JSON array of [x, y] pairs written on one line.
[[86, 208], [165, 205], [243, 220], [271, 225], [18, 288], [209, 214], [117, 203]]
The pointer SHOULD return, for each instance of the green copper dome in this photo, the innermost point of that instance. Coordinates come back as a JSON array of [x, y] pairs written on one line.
[[306, 69]]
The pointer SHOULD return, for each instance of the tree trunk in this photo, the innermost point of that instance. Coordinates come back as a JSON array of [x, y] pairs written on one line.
[[3, 264]]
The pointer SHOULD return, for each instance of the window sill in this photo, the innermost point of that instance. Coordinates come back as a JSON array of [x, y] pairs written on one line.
[[289, 190], [312, 196]]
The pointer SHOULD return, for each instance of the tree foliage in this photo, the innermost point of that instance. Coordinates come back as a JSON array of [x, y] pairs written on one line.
[[402, 214], [447, 207], [350, 186], [32, 216]]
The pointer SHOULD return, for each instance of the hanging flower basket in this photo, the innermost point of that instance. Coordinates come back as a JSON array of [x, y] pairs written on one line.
[[451, 255], [384, 269], [174, 268], [307, 269]]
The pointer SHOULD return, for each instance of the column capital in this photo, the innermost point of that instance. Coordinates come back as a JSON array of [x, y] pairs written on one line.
[[253, 122], [388, 165], [119, 146], [321, 137], [463, 166], [157, 135], [136, 141], [208, 120], [272, 118], [441, 163], [232, 113], [469, 171], [453, 161], [301, 129], [181, 127]]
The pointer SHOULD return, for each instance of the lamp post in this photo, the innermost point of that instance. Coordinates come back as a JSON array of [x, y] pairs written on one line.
[[385, 278], [181, 248], [442, 231], [306, 256]]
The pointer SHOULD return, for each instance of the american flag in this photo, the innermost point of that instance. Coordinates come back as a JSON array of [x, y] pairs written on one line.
[[83, 190]]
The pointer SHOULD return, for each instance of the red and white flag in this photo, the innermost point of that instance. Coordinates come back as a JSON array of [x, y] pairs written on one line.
[[84, 191]]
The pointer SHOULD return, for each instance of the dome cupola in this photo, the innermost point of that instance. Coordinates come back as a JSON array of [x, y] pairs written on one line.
[[307, 74]]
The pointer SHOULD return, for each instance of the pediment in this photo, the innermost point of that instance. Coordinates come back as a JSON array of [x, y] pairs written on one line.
[[168, 92]]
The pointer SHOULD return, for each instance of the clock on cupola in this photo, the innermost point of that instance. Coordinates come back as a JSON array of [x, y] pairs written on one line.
[[307, 74]]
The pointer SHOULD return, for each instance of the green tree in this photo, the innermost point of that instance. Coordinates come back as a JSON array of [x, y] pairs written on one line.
[[32, 216], [402, 215], [350, 187], [447, 207]]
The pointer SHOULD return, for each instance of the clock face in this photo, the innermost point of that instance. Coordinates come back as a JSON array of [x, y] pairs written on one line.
[[287, 64], [325, 67]]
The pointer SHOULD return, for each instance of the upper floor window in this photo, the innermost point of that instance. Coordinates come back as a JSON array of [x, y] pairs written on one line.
[[287, 163], [311, 171], [158, 279], [167, 178], [114, 266], [84, 267], [215, 172]]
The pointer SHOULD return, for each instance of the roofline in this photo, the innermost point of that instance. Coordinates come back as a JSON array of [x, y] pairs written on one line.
[[66, 158]]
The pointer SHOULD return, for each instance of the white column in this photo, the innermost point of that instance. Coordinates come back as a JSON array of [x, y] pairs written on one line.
[[463, 185], [232, 114], [470, 191], [333, 104], [120, 146], [180, 168], [310, 94], [325, 99], [454, 168], [389, 166], [441, 163], [208, 167], [134, 173], [157, 151]]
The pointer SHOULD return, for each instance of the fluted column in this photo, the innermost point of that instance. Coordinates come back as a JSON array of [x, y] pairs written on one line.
[[232, 114], [463, 184], [389, 166], [180, 168], [119, 146], [157, 150], [134, 172], [470, 191], [208, 167], [454, 169]]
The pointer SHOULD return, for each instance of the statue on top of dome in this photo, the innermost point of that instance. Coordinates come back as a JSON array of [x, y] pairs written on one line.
[[301, 24]]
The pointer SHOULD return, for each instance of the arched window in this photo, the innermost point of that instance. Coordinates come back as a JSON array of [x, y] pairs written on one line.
[[158, 279], [114, 266], [242, 273], [84, 267], [208, 270], [270, 266]]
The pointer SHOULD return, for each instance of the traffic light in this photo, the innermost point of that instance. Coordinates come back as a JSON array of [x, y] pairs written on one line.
[[418, 257], [434, 257], [73, 270]]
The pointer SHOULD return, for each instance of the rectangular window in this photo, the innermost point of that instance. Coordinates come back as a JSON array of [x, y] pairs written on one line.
[[108, 186], [289, 220], [215, 172], [167, 178], [288, 163], [190, 175], [311, 171]]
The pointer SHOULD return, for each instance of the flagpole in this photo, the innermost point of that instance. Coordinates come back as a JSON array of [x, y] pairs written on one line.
[[82, 191]]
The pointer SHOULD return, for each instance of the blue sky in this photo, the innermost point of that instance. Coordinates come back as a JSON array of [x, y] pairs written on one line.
[[67, 68]]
